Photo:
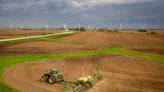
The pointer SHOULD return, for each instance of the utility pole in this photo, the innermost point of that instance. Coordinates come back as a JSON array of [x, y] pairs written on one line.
[[79, 27], [25, 33]]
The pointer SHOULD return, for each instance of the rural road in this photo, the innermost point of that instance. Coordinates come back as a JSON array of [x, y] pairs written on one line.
[[14, 39]]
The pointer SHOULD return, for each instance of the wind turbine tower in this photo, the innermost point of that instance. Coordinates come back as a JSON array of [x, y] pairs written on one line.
[[11, 26], [65, 27], [46, 26], [120, 26]]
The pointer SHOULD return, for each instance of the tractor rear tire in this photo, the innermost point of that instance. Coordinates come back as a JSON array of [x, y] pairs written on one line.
[[88, 85], [44, 78]]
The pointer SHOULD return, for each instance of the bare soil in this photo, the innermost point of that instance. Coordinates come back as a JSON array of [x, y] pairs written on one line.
[[120, 74], [12, 33], [114, 38], [154, 50], [39, 47]]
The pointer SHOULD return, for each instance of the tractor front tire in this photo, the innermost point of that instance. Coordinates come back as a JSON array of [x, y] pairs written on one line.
[[42, 79], [51, 80]]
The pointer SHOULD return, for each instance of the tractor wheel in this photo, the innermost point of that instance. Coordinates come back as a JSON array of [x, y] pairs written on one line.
[[51, 80], [61, 77], [88, 85], [44, 78]]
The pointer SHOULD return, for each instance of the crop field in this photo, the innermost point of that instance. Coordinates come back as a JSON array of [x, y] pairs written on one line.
[[13, 33], [129, 61]]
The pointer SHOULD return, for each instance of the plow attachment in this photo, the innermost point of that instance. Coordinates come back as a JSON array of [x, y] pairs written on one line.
[[83, 83]]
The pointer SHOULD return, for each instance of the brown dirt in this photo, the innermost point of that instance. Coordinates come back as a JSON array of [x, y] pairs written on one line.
[[116, 38], [155, 50], [12, 33], [38, 47], [121, 74]]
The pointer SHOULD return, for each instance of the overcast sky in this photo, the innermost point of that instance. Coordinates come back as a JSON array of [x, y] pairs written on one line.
[[98, 13]]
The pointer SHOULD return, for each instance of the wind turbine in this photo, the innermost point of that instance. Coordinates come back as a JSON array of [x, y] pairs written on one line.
[[11, 26], [65, 27], [120, 26], [21, 27], [145, 26], [46, 26]]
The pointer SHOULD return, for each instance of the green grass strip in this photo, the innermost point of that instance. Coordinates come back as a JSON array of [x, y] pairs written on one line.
[[6, 61], [6, 88], [146, 56], [3, 38]]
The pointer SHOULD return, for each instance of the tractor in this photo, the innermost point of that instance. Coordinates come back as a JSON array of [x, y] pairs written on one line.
[[52, 76], [80, 85]]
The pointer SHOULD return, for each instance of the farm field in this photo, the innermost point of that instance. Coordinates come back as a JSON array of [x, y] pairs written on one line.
[[114, 38], [121, 73], [14, 33], [39, 47], [128, 61], [155, 50]]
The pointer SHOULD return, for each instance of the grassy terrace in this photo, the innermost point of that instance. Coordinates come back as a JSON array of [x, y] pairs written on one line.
[[9, 60]]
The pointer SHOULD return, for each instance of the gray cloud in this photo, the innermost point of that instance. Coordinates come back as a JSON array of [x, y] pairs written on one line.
[[90, 3], [85, 12], [27, 5]]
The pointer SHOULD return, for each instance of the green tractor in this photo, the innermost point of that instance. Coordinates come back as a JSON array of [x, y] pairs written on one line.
[[80, 85], [52, 76]]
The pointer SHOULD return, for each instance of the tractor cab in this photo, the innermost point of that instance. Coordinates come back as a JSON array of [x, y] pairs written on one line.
[[52, 76], [54, 71]]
